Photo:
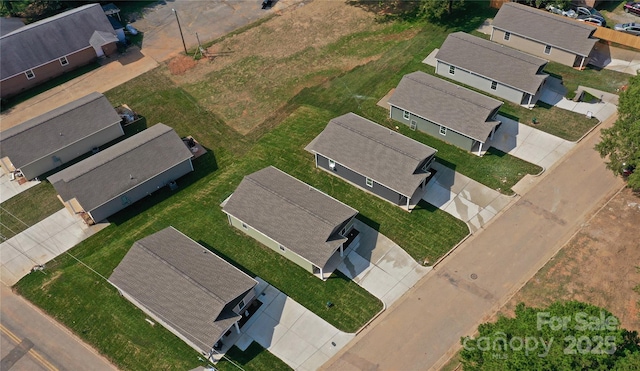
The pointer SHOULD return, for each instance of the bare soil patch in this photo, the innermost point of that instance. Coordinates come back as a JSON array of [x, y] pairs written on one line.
[[254, 74], [180, 64], [597, 266]]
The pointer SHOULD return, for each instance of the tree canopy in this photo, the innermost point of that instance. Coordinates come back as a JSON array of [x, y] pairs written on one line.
[[438, 9], [564, 336], [621, 142]]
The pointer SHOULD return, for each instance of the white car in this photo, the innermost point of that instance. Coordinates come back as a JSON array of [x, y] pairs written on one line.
[[567, 13]]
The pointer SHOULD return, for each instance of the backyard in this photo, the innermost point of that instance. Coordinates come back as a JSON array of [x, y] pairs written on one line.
[[259, 103]]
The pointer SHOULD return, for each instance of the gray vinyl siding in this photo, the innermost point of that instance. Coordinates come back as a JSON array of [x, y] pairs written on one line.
[[144, 189], [72, 151], [433, 129], [481, 83], [270, 243], [536, 48], [361, 181]]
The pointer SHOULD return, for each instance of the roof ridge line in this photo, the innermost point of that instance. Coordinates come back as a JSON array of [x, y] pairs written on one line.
[[184, 275], [335, 120], [551, 16], [118, 156], [256, 182], [498, 49], [36, 24], [450, 93]]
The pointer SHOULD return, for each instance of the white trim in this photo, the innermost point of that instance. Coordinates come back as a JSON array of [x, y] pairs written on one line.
[[413, 125], [494, 85], [506, 36], [66, 61], [443, 132], [452, 69], [547, 46], [33, 74], [406, 115], [43, 64], [369, 182]]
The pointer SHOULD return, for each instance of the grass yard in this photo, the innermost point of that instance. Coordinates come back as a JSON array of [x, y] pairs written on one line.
[[605, 80], [27, 208], [254, 358]]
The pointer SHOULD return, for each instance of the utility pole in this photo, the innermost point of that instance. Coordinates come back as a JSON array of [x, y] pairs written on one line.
[[180, 28]]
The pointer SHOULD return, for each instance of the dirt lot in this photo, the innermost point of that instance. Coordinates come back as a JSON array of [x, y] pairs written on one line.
[[599, 265], [256, 72]]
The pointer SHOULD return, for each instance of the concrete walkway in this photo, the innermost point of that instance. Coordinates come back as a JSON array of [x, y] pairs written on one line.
[[10, 188], [380, 266], [291, 332], [553, 93], [464, 198], [528, 143], [42, 242]]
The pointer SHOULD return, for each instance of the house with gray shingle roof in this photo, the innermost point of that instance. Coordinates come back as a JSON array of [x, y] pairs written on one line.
[[445, 110], [48, 48], [122, 174], [189, 290], [43, 143], [374, 158], [292, 218], [491, 67], [544, 34]]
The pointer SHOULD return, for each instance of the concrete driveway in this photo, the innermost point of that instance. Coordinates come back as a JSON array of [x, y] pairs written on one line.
[[291, 332], [380, 266], [10, 188], [42, 242], [553, 93], [528, 143], [464, 198]]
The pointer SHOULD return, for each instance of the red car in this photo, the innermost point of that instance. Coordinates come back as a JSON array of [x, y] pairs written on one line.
[[632, 7]]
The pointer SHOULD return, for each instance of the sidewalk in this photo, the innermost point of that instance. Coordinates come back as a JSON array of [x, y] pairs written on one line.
[[42, 242]]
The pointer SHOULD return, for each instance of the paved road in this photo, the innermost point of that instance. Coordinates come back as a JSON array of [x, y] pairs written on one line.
[[422, 330], [33, 341]]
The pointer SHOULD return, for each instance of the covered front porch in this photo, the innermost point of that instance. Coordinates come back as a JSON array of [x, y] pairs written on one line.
[[353, 241]]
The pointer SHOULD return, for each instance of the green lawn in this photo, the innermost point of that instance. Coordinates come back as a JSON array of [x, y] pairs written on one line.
[[605, 80], [27, 208], [254, 358]]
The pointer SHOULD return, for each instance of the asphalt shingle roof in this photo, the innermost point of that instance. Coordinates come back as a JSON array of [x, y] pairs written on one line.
[[494, 61], [121, 167], [52, 38], [57, 129], [447, 104], [374, 151], [547, 28], [296, 215], [184, 284]]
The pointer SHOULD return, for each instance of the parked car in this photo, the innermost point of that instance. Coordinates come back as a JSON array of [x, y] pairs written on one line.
[[586, 10], [556, 10], [630, 28], [632, 7], [593, 19], [627, 170], [267, 4]]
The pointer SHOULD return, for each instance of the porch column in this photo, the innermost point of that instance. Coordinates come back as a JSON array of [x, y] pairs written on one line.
[[408, 201], [582, 62], [480, 149], [493, 131], [530, 97], [321, 274], [341, 250], [235, 324]]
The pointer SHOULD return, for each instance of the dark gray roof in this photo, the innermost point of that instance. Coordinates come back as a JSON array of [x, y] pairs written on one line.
[[52, 38], [296, 215], [493, 61], [374, 151], [9, 24], [551, 29], [109, 173], [447, 104], [43, 135], [184, 284]]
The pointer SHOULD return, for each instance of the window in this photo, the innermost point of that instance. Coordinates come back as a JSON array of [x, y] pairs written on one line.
[[494, 85], [63, 61], [443, 130], [547, 49], [452, 70], [241, 304], [507, 35], [413, 125], [406, 115], [369, 182], [125, 200], [282, 248], [332, 164], [30, 75], [244, 226]]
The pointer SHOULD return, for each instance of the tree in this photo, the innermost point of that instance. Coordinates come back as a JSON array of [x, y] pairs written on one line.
[[621, 142], [438, 9], [564, 336]]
